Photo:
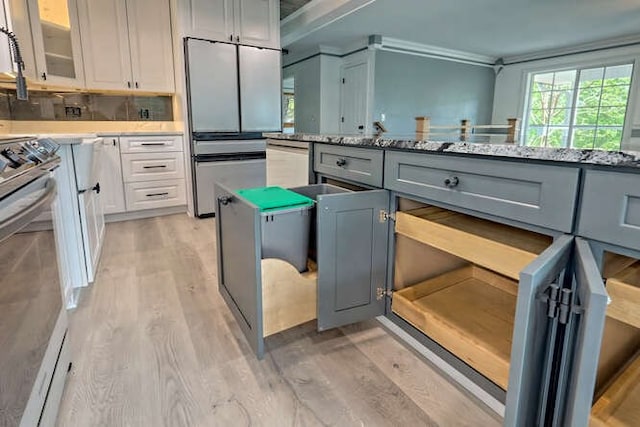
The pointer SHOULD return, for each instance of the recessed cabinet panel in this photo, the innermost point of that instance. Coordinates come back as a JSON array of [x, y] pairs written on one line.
[[105, 44], [111, 184], [150, 41], [533, 194], [210, 19], [257, 22], [352, 257], [610, 210]]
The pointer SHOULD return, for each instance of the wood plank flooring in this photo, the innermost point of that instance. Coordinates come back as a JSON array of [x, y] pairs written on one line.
[[154, 345]]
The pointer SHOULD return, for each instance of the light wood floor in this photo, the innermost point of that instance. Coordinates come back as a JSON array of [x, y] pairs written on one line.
[[154, 345]]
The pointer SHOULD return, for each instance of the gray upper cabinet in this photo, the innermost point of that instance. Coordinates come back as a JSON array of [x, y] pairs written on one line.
[[247, 22], [260, 94], [56, 42], [532, 194], [352, 257], [610, 210]]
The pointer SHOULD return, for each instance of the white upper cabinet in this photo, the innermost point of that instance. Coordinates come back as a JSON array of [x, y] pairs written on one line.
[[150, 42], [210, 19], [249, 22], [56, 42], [257, 23], [105, 44], [127, 44]]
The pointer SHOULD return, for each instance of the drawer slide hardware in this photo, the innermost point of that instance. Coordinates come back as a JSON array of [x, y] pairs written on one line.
[[386, 216], [560, 303], [382, 292]]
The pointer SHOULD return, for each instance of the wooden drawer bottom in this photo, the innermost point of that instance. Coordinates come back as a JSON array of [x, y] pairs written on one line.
[[289, 298], [470, 312], [155, 194]]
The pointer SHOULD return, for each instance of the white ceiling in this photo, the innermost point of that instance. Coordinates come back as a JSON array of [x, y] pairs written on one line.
[[495, 28]]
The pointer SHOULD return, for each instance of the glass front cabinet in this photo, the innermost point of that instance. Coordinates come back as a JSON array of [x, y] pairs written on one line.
[[476, 258]]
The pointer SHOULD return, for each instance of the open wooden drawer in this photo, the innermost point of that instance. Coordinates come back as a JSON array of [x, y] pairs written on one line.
[[471, 310], [617, 390]]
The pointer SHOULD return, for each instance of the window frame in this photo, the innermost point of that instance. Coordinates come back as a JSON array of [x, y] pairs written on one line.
[[552, 65]]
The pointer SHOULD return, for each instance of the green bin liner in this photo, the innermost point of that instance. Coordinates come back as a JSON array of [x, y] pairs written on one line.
[[272, 199]]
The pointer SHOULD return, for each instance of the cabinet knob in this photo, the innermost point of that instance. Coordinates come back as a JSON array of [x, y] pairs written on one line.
[[238, 39], [96, 188], [230, 37], [341, 162], [137, 85], [44, 76], [452, 182], [114, 142], [225, 200], [129, 85]]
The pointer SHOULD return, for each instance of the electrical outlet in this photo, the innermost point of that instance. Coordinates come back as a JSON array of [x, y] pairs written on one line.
[[73, 111]]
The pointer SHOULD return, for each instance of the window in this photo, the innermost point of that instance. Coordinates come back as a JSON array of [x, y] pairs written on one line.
[[581, 108]]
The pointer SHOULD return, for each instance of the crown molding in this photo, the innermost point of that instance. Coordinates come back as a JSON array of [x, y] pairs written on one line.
[[419, 49], [315, 15], [612, 43]]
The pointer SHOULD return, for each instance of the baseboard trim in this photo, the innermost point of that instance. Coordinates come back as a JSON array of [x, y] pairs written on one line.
[[148, 213]]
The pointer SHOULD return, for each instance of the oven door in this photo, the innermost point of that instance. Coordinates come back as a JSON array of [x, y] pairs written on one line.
[[32, 321]]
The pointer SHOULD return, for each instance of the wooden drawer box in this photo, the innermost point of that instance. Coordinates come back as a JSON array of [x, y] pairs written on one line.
[[533, 194], [147, 144], [152, 167], [360, 165], [155, 194], [610, 209]]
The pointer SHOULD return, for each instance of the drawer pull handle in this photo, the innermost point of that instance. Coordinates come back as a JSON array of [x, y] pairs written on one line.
[[157, 194], [341, 162], [154, 167], [225, 200], [153, 143], [452, 182]]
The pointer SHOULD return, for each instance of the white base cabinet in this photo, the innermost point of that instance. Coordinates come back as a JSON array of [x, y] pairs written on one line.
[[111, 183]]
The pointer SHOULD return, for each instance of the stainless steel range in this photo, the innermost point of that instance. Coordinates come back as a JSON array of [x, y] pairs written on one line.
[[34, 352]]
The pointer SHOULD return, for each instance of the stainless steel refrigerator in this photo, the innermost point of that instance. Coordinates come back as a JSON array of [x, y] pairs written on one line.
[[234, 94]]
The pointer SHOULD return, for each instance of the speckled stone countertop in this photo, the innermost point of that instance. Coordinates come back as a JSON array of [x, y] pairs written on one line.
[[630, 159]]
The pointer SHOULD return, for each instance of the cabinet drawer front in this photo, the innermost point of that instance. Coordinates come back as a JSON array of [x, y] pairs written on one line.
[[152, 167], [610, 209], [541, 195], [155, 194], [355, 164], [150, 144]]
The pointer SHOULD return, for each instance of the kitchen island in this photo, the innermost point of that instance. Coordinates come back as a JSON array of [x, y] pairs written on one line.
[[491, 256]]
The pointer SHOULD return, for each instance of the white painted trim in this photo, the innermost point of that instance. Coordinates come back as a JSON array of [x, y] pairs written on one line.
[[315, 15], [148, 213], [577, 49], [494, 404], [419, 49]]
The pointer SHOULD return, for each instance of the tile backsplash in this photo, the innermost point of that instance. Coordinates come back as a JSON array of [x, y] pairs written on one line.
[[84, 107]]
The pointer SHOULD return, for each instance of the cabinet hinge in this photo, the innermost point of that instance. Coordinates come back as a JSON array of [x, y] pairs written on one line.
[[386, 216], [382, 292], [560, 304], [343, 81]]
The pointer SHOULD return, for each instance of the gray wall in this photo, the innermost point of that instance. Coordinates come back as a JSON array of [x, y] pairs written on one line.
[[306, 76], [407, 86]]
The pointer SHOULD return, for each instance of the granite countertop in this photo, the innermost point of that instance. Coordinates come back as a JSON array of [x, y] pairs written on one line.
[[569, 155]]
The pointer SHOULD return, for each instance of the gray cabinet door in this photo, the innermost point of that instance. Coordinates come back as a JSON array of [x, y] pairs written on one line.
[[239, 255], [352, 256], [584, 339], [534, 335]]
